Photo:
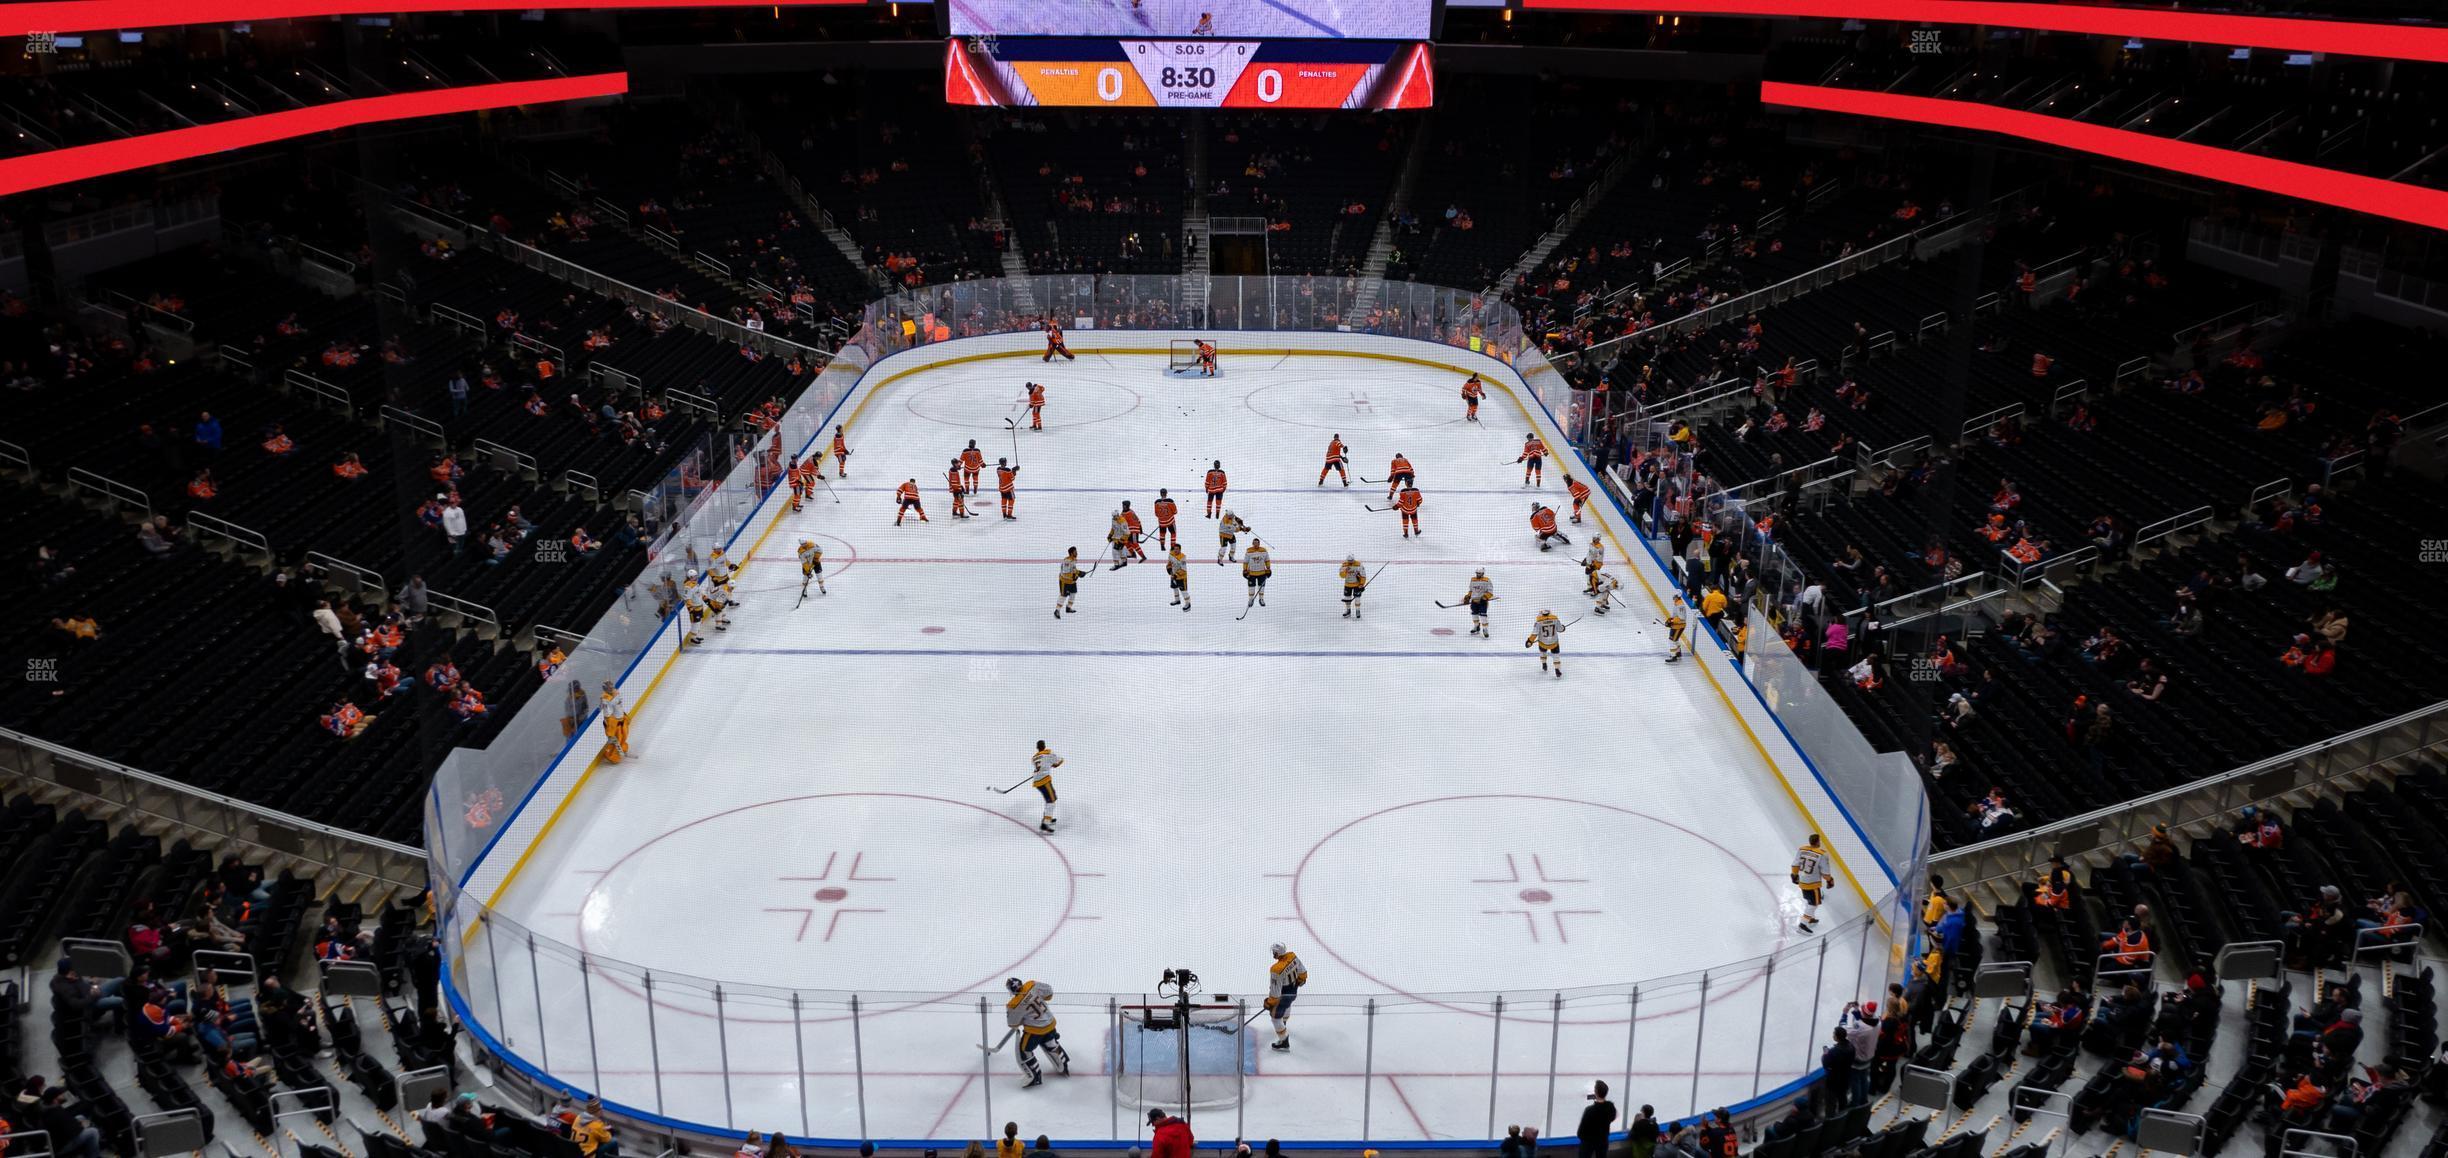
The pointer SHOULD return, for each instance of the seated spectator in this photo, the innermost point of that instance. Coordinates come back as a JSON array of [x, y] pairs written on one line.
[[346, 720], [2388, 918], [73, 1134], [202, 488], [73, 993], [2149, 682], [1992, 812], [2316, 931], [2057, 1024], [277, 442], [2382, 1090], [80, 628], [158, 537], [349, 467], [2128, 947], [583, 543], [2256, 829]]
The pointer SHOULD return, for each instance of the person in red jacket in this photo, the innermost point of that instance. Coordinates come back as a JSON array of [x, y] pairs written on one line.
[[1172, 1136]]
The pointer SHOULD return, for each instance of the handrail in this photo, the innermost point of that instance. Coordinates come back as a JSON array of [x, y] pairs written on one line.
[[464, 609], [2078, 389], [662, 237], [598, 370], [574, 479], [2275, 488], [300, 380], [537, 345], [1887, 457], [2216, 323], [1984, 421], [615, 212], [2131, 367], [2173, 524], [166, 319], [1788, 472], [392, 862], [2023, 573], [453, 315], [424, 426], [547, 631], [713, 262], [519, 459], [324, 257], [231, 359], [366, 577], [14, 455], [694, 402], [211, 524], [109, 489]]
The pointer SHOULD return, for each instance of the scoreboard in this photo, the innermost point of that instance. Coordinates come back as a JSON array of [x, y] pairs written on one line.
[[1189, 74]]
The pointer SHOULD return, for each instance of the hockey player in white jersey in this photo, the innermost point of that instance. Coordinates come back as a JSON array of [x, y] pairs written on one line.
[[1594, 564], [1481, 593], [1603, 589], [1810, 874], [1029, 1014], [717, 600], [1284, 980], [1042, 764], [1355, 584]]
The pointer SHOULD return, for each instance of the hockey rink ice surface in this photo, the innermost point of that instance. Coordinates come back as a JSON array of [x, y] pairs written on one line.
[[1422, 815]]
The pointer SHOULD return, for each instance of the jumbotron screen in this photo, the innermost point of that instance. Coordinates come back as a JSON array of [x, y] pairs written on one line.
[[1230, 19], [1190, 74]]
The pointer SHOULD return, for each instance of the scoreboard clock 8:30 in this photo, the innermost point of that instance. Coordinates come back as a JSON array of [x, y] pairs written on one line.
[[1196, 73]]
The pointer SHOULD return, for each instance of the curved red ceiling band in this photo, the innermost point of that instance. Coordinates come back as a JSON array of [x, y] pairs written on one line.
[[2373, 195], [18, 19], [2342, 37], [61, 166]]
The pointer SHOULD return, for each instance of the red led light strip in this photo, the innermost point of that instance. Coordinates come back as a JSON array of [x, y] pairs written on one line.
[[2373, 195], [2345, 38], [18, 19], [61, 166]]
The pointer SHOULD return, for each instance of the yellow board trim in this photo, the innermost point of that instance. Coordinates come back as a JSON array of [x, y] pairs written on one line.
[[1762, 749]]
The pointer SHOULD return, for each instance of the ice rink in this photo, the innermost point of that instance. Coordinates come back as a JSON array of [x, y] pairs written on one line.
[[1421, 814]]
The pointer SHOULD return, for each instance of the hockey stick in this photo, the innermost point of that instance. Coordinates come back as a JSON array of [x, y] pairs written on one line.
[[803, 582], [998, 1046], [1014, 788], [1245, 609], [1014, 428], [828, 486], [1366, 507], [1465, 603]]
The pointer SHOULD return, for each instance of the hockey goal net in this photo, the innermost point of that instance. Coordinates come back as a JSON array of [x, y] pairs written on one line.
[[1164, 1058], [1185, 356]]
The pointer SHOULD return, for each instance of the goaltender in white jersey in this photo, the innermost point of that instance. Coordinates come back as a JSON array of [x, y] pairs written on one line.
[[1030, 1015]]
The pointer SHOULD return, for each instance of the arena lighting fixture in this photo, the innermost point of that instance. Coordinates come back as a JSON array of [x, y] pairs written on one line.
[[61, 166], [2353, 191], [2342, 37], [35, 16]]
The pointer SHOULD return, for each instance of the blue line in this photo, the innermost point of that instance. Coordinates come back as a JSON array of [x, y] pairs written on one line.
[[1086, 653]]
